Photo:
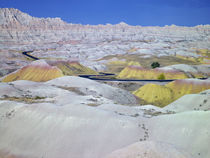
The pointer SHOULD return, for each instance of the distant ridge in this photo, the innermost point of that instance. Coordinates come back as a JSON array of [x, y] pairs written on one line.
[[10, 16], [20, 28]]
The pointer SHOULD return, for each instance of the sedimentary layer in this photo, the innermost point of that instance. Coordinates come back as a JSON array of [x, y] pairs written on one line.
[[38, 71], [163, 95]]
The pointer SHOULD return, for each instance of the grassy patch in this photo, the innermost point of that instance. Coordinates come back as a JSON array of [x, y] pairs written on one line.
[[161, 77], [36, 99], [72, 89], [157, 113], [93, 104], [145, 62]]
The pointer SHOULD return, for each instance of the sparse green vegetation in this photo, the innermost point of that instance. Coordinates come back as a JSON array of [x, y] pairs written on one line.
[[161, 77], [38, 97], [72, 89]]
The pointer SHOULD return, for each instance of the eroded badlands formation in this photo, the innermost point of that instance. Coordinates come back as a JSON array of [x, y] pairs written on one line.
[[56, 39], [48, 111]]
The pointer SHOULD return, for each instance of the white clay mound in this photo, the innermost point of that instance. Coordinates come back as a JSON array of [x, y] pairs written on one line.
[[187, 130], [45, 130], [90, 87], [191, 102], [148, 149]]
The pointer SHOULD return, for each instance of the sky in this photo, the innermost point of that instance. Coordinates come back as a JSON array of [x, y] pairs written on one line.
[[132, 12]]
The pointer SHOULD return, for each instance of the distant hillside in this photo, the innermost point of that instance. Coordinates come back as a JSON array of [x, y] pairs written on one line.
[[38, 71], [72, 68], [162, 95], [42, 28], [14, 18], [92, 45], [41, 71]]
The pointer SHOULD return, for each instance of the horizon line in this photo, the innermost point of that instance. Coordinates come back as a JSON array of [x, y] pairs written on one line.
[[113, 24]]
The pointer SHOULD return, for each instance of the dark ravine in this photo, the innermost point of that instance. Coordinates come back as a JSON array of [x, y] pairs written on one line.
[[102, 74]]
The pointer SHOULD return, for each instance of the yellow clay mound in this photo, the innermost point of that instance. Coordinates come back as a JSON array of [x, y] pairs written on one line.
[[173, 75], [197, 75], [132, 50], [182, 87], [155, 94], [72, 68], [203, 52], [125, 63], [38, 71], [163, 95], [137, 72], [203, 59], [133, 63], [117, 66], [118, 62], [198, 60], [129, 72]]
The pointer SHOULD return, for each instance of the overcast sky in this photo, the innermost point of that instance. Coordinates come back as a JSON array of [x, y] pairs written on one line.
[[133, 12]]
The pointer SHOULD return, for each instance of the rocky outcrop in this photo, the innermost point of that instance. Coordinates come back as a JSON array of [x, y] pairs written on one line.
[[15, 19], [54, 38], [16, 25]]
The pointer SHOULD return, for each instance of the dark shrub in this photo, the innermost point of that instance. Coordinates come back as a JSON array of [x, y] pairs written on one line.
[[155, 64]]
